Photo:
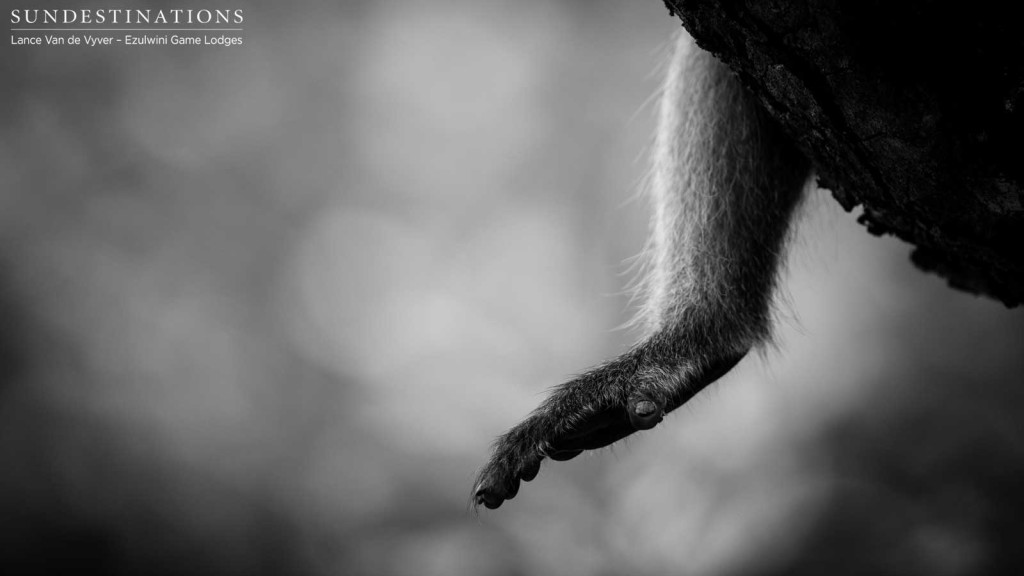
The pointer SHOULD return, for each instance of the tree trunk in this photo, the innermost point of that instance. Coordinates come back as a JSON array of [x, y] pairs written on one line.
[[912, 109]]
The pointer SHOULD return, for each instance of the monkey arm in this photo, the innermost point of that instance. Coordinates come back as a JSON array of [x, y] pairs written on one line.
[[724, 185]]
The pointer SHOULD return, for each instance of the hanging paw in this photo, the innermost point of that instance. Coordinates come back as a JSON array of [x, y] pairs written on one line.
[[590, 412]]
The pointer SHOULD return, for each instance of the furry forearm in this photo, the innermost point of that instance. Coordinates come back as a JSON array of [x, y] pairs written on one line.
[[725, 182]]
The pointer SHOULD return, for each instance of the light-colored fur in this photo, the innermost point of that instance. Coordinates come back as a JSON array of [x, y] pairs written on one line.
[[725, 182]]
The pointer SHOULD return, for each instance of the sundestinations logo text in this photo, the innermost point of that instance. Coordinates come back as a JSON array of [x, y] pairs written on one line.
[[95, 27], [125, 16]]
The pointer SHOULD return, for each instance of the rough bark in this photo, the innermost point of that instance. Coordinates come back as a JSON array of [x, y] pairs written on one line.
[[912, 109]]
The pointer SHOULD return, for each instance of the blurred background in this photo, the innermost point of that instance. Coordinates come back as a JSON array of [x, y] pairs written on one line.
[[265, 307]]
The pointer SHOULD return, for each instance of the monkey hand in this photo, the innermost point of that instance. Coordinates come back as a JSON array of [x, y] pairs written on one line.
[[601, 407]]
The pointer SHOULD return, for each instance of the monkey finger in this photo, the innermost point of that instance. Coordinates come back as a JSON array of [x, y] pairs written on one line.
[[491, 493], [512, 488], [487, 495], [609, 435], [489, 500], [563, 454], [583, 427], [611, 430], [530, 470]]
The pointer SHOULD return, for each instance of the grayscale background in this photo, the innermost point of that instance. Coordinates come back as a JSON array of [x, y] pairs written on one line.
[[264, 308]]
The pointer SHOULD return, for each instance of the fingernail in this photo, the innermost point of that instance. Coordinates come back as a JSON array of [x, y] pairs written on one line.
[[645, 408]]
